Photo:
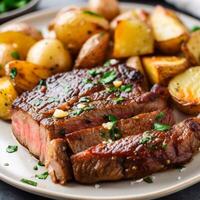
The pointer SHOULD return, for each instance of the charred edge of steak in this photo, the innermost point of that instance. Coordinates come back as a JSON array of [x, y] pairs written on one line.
[[83, 139], [138, 156]]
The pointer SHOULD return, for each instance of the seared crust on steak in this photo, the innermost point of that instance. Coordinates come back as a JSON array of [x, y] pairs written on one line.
[[132, 157]]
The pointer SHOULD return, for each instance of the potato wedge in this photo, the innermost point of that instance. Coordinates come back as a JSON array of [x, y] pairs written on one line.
[[132, 38], [161, 68], [185, 90], [74, 27], [93, 51], [25, 75], [191, 48], [168, 29], [7, 95], [102, 7], [21, 41], [50, 54]]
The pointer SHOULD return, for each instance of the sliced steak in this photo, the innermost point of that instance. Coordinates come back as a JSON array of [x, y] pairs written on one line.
[[138, 156], [33, 123], [81, 140]]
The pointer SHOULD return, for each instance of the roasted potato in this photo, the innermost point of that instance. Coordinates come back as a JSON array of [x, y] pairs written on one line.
[[24, 28], [7, 95], [74, 27], [191, 48], [107, 9], [19, 40], [25, 75], [161, 68], [132, 38], [51, 54], [7, 53], [185, 90], [168, 29], [93, 51], [135, 63]]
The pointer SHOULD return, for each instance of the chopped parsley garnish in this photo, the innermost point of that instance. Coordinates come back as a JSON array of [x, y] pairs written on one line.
[[114, 133], [160, 116], [92, 13], [42, 176], [148, 179], [37, 102], [35, 167], [52, 99], [11, 149], [112, 118], [42, 83], [111, 89], [195, 28], [78, 111], [29, 182], [94, 72], [146, 137], [15, 55], [118, 100], [84, 99], [179, 167], [126, 88], [40, 164], [161, 127], [86, 80], [13, 73], [108, 77], [110, 62]]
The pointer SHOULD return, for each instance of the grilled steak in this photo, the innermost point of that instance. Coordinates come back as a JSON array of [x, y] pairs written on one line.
[[87, 96], [83, 139], [138, 156]]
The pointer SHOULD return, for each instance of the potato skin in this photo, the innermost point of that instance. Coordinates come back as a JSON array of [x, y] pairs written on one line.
[[6, 51], [168, 29], [74, 27], [93, 51], [50, 54], [7, 95], [184, 90], [108, 9], [161, 68]]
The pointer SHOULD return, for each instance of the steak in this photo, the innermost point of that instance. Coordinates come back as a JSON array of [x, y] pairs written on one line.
[[138, 156], [87, 96], [81, 140]]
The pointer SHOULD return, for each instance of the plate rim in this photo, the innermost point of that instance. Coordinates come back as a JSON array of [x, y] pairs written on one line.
[[47, 193]]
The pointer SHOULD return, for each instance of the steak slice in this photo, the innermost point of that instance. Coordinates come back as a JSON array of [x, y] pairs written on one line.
[[33, 123], [138, 156], [83, 139]]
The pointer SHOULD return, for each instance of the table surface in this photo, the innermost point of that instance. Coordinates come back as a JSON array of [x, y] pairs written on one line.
[[8, 192]]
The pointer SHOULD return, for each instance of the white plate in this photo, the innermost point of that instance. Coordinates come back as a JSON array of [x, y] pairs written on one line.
[[21, 163]]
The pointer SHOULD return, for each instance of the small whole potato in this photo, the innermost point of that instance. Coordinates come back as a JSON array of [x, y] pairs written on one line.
[[7, 95], [24, 28], [7, 54], [51, 54], [109, 9]]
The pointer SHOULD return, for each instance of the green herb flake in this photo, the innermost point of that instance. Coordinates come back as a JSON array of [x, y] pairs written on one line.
[[37, 102], [114, 133], [164, 146], [42, 176], [112, 118], [111, 89], [84, 99], [11, 149], [40, 164], [15, 55], [118, 100], [35, 168], [94, 72], [42, 83], [148, 179], [110, 62], [195, 28], [146, 137], [29, 182], [126, 88], [86, 80], [161, 127], [160, 116], [108, 77], [88, 12], [13, 73], [179, 167]]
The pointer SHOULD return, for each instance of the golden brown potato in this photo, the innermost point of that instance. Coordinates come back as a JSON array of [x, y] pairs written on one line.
[[74, 27], [51, 54], [191, 48], [24, 28], [107, 9], [19, 40], [132, 38], [7, 53], [93, 51], [7, 96], [25, 75], [168, 29], [185, 90], [161, 68]]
